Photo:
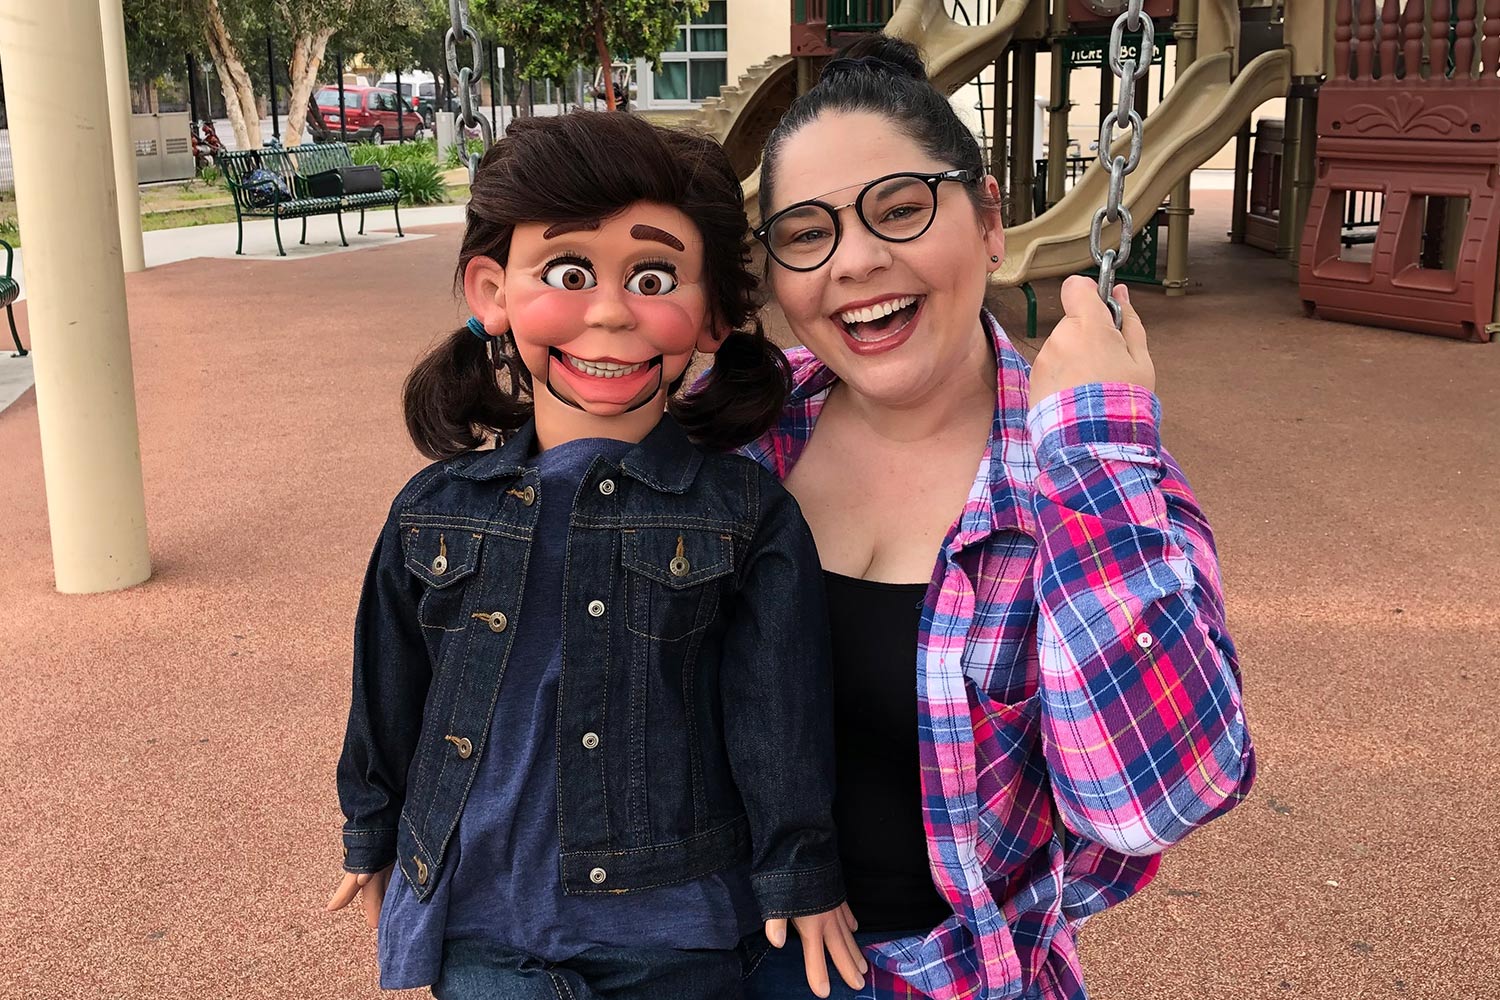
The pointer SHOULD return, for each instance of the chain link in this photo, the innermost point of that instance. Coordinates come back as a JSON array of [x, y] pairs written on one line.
[[1127, 70], [468, 116]]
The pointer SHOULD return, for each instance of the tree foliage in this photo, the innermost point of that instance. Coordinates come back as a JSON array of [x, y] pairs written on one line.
[[552, 37]]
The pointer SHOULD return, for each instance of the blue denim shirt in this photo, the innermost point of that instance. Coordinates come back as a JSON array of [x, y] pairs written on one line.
[[694, 704]]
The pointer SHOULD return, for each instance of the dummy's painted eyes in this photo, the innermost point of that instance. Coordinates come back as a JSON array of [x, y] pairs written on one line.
[[570, 276], [652, 281]]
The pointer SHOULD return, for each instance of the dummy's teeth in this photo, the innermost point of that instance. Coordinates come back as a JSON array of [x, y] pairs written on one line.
[[604, 369], [878, 311]]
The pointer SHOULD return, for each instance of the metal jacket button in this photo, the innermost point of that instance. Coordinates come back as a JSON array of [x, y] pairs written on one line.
[[421, 870], [528, 495], [607, 487], [465, 748], [596, 608], [597, 876], [496, 620], [590, 741]]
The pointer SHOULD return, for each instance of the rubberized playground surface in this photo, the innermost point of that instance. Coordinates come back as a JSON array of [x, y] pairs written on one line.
[[167, 807]]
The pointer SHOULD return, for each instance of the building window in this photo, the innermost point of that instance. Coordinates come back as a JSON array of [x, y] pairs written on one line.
[[698, 64]]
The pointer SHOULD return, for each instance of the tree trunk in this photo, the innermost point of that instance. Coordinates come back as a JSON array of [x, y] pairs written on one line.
[[605, 61], [234, 81], [307, 58]]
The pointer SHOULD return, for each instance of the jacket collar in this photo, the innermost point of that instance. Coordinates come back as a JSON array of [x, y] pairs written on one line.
[[664, 460]]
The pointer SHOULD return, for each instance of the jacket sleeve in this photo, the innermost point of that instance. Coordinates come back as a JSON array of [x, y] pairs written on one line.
[[778, 714], [1142, 721], [391, 676]]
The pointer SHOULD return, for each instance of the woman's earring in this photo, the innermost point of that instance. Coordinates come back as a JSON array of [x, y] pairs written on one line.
[[994, 258]]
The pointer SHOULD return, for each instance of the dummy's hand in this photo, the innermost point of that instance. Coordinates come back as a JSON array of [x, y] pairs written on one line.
[[1085, 347], [832, 932], [370, 887]]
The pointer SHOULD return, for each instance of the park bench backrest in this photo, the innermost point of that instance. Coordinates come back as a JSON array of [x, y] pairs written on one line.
[[293, 165]]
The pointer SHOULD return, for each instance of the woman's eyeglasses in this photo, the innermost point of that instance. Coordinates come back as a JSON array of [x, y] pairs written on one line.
[[897, 208]]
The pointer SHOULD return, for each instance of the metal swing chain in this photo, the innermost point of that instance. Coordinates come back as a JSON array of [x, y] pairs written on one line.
[[468, 116], [1127, 71]]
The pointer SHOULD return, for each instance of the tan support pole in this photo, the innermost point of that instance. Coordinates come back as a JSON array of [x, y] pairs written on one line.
[[1241, 184], [1059, 105], [1180, 208], [117, 82], [1299, 162], [75, 290], [1287, 232], [1000, 155], [1023, 115]]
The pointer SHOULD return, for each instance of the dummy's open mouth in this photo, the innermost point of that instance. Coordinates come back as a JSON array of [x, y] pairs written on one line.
[[884, 323], [608, 381]]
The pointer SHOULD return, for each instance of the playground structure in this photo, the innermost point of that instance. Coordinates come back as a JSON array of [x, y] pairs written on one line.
[[1428, 145]]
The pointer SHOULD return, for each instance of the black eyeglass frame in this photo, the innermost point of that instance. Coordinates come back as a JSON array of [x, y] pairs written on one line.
[[762, 234]]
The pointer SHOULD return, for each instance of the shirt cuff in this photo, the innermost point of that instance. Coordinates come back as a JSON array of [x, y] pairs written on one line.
[[1090, 416]]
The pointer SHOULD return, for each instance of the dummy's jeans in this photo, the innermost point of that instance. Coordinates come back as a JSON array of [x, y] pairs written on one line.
[[779, 973], [477, 970]]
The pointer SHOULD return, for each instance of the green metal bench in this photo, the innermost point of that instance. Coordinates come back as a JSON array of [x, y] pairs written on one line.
[[10, 290], [292, 166]]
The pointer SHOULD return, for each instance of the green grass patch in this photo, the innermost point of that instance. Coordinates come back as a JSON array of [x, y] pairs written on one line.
[[179, 217]]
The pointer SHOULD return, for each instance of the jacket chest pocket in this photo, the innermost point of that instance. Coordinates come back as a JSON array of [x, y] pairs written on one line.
[[441, 558], [670, 588]]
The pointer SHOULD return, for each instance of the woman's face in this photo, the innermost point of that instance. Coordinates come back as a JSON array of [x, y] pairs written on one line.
[[843, 310]]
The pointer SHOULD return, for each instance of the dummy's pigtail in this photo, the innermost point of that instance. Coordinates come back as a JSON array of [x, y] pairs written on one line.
[[741, 397], [467, 388]]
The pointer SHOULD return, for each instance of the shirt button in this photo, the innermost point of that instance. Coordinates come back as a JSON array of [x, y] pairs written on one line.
[[421, 870], [590, 741], [597, 876], [596, 608], [1145, 640], [607, 487]]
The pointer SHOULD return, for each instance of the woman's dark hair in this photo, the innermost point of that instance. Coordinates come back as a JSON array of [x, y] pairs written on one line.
[[584, 166], [883, 76]]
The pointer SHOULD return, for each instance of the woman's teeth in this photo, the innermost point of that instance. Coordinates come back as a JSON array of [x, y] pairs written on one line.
[[604, 369], [879, 310], [872, 324]]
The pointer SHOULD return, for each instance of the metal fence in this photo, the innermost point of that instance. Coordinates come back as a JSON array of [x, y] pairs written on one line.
[[7, 172]]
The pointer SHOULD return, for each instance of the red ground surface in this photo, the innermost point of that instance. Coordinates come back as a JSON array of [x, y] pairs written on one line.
[[167, 807]]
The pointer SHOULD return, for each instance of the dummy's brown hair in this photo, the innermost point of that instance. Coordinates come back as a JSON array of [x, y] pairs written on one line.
[[584, 166]]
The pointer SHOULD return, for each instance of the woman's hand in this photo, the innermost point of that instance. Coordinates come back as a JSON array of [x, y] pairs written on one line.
[[370, 887], [832, 932], [1085, 347]]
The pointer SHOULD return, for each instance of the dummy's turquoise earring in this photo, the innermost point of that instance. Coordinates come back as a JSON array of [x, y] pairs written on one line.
[[477, 329]]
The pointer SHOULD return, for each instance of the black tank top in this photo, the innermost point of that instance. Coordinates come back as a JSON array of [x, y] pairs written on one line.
[[878, 799]]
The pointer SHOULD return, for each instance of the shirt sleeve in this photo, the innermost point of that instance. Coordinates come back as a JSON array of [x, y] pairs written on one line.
[[777, 693], [1142, 722], [392, 672]]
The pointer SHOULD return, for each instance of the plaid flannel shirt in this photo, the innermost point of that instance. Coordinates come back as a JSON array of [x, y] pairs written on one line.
[[1072, 651]]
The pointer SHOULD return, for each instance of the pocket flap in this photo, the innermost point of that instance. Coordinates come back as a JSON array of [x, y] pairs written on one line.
[[677, 558], [440, 556]]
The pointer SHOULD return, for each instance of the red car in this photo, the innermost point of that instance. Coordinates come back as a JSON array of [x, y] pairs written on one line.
[[369, 115]]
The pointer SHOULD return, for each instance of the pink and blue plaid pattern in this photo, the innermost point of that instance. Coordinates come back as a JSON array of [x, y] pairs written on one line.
[[1073, 641]]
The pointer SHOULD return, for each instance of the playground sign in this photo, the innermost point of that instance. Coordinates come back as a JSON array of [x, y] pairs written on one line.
[[1090, 52]]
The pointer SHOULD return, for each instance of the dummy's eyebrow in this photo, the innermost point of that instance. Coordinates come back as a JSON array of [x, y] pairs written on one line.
[[579, 225], [659, 235]]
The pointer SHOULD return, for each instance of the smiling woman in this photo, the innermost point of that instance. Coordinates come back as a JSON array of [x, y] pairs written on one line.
[[1030, 559]]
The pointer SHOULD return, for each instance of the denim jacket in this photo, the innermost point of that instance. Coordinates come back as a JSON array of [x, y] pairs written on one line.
[[694, 709]]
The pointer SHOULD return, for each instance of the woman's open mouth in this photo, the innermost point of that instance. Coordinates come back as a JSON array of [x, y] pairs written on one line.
[[880, 326]]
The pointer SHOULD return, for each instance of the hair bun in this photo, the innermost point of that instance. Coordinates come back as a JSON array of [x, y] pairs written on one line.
[[879, 53]]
